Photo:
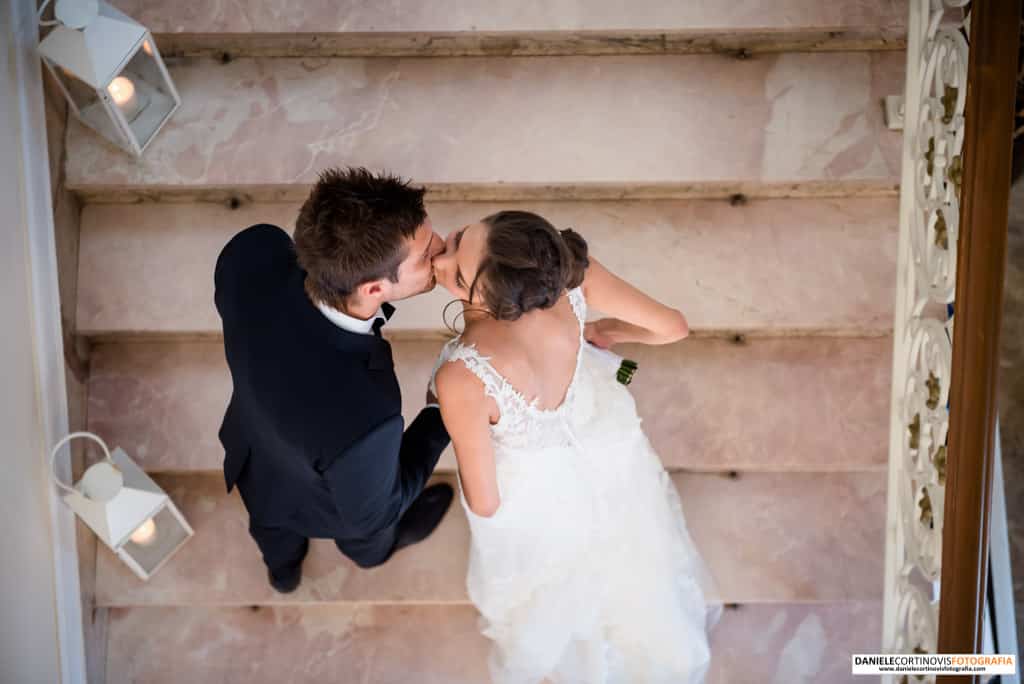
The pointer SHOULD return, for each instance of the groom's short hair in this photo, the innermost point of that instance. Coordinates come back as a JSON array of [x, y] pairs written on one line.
[[354, 227]]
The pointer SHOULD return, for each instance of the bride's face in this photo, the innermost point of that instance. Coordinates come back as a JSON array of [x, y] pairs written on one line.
[[457, 265]]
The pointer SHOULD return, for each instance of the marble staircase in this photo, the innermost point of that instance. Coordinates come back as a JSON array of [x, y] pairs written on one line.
[[731, 161]]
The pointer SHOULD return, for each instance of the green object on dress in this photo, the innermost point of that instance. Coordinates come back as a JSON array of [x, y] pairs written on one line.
[[626, 370]]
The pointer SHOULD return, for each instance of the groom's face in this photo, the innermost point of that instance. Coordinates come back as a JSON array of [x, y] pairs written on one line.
[[416, 272]]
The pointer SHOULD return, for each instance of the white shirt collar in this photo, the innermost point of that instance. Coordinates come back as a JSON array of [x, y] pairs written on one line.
[[350, 323]]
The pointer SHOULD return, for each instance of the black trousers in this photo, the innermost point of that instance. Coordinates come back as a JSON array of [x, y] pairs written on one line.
[[285, 545]]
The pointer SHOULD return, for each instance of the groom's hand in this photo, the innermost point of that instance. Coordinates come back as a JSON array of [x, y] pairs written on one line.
[[594, 333]]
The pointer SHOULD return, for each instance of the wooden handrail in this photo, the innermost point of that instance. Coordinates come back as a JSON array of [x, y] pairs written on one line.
[[981, 265], [1018, 123]]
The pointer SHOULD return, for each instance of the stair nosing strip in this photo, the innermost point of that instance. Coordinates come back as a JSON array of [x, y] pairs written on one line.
[[729, 41], [400, 603], [98, 336], [502, 192]]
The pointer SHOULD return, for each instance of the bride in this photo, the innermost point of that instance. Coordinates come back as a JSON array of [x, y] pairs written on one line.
[[580, 566]]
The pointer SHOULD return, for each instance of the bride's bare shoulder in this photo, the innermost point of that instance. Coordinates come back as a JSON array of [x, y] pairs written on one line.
[[454, 380], [458, 393]]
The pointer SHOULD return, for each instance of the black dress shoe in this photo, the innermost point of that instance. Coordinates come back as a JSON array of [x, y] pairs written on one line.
[[285, 581], [424, 515]]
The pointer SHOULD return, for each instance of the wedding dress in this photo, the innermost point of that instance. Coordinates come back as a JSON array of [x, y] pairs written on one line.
[[586, 573]]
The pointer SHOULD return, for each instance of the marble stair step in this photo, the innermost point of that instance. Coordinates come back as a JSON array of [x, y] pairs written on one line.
[[708, 404], [459, 27], [768, 266], [767, 537], [441, 644], [553, 127]]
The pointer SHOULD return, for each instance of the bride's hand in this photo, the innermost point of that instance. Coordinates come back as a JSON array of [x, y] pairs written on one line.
[[593, 332]]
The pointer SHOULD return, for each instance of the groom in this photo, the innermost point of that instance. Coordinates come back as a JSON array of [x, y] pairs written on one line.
[[313, 434]]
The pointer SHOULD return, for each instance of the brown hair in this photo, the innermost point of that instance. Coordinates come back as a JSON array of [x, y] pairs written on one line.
[[527, 264], [353, 228]]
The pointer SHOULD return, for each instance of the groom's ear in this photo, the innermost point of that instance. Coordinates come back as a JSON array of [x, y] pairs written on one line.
[[371, 289]]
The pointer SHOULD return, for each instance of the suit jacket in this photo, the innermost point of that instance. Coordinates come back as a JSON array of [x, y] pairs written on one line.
[[311, 400]]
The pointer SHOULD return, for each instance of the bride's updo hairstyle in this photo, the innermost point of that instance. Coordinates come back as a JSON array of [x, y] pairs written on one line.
[[528, 264]]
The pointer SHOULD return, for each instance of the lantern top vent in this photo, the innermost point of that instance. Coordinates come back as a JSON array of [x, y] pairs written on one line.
[[96, 52]]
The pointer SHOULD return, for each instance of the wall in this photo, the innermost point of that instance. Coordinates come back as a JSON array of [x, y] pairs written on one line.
[[28, 613], [40, 613], [1010, 396]]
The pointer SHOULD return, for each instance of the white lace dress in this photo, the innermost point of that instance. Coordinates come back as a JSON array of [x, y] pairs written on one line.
[[586, 574]]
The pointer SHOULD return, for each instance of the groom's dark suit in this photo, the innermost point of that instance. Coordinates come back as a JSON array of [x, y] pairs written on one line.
[[313, 432]]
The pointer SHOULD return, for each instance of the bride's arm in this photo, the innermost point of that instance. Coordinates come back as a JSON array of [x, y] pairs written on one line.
[[633, 315], [466, 418]]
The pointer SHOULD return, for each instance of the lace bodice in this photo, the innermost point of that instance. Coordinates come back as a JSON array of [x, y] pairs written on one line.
[[522, 424]]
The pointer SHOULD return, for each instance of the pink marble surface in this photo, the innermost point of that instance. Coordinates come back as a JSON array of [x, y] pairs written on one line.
[[806, 264], [221, 564], [431, 644], [277, 16], [794, 643], [775, 118], [771, 404], [766, 537], [789, 536]]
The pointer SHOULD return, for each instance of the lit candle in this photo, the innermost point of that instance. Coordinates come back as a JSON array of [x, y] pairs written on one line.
[[123, 92], [147, 48], [144, 533]]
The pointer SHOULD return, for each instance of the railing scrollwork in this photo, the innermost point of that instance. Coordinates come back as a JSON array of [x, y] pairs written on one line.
[[934, 101]]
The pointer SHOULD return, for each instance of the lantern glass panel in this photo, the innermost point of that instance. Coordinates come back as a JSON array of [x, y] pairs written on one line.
[[157, 543], [91, 107], [142, 93]]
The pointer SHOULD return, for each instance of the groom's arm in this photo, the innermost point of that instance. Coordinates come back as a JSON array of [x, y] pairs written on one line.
[[424, 441], [372, 488]]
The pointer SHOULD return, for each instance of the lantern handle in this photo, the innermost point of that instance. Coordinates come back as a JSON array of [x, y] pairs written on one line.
[[73, 435], [39, 16]]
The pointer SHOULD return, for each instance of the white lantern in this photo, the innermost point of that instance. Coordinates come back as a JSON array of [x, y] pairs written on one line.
[[110, 71], [126, 509]]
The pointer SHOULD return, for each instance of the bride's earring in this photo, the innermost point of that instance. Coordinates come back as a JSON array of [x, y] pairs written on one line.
[[444, 317]]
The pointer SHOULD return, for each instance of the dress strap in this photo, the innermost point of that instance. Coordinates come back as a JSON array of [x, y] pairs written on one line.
[[579, 306], [479, 365]]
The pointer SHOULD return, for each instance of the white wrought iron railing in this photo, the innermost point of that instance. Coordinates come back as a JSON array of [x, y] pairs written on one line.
[[933, 134]]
